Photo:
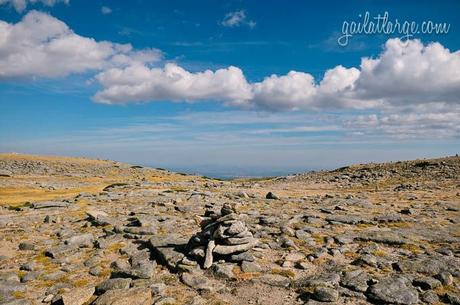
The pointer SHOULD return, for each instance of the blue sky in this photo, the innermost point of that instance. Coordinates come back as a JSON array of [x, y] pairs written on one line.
[[124, 80]]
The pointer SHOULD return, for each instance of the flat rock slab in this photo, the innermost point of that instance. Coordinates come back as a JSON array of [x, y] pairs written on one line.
[[394, 290], [50, 204], [429, 265], [168, 250], [111, 284], [383, 237], [5, 173]]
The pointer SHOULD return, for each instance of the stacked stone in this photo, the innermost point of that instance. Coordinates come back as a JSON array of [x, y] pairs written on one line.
[[222, 234]]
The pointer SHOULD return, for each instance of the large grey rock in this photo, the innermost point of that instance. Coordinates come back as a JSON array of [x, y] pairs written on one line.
[[168, 250], [137, 269], [99, 218], [325, 294], [430, 297], [394, 290], [250, 267], [384, 237], [426, 282], [326, 279], [245, 256], [355, 280], [429, 265], [224, 271]]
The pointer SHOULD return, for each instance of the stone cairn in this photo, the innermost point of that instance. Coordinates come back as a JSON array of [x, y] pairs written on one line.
[[222, 235]]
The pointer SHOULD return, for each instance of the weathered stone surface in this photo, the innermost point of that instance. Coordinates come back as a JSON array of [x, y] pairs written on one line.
[[428, 265], [245, 256], [250, 267], [384, 237], [169, 250], [394, 290], [111, 284], [426, 282], [430, 297], [355, 280], [325, 294], [224, 271], [50, 204]]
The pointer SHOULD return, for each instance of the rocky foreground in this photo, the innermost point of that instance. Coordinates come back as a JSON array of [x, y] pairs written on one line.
[[77, 231]]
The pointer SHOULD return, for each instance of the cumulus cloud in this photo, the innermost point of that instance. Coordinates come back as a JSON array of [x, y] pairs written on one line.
[[298, 90], [410, 72], [141, 83], [236, 19], [294, 91], [21, 5], [404, 73], [42, 46]]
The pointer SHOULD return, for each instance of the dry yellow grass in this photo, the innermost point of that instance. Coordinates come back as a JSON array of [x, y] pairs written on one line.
[[17, 190], [15, 196]]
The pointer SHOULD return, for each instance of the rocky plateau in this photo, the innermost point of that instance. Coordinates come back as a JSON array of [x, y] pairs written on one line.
[[77, 231]]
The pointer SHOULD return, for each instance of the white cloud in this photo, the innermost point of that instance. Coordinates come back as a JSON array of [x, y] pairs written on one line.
[[237, 18], [404, 73], [21, 5], [42, 46], [297, 90], [410, 72], [141, 83], [106, 10]]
